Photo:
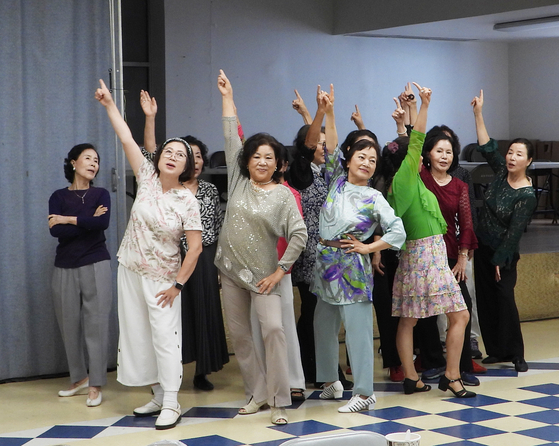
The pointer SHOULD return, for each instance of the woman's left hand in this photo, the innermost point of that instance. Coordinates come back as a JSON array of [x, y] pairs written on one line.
[[55, 219], [101, 210], [267, 284], [497, 274], [167, 297], [459, 269], [354, 245]]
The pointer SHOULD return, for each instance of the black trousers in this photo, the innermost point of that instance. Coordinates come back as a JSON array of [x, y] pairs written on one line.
[[498, 315], [427, 336], [382, 300], [305, 331]]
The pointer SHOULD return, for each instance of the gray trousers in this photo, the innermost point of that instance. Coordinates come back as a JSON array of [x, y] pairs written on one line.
[[265, 382], [82, 300], [358, 324]]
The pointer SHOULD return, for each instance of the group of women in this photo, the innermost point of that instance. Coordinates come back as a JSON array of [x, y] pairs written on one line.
[[333, 242]]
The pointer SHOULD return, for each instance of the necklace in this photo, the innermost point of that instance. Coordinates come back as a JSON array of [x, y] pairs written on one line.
[[81, 196], [257, 183], [443, 182]]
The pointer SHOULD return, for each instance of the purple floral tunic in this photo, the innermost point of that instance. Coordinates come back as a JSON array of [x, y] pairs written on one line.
[[341, 278]]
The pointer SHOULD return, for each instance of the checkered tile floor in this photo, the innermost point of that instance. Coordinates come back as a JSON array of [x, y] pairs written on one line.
[[514, 414]]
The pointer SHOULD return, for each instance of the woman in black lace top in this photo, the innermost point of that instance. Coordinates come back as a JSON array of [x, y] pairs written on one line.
[[508, 207]]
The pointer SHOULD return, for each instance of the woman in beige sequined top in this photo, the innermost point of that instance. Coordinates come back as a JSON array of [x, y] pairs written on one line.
[[259, 211]]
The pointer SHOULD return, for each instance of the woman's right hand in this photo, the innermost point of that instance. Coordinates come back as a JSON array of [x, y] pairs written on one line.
[[357, 118], [424, 93], [477, 103], [149, 105], [224, 85], [399, 114], [103, 95], [377, 263]]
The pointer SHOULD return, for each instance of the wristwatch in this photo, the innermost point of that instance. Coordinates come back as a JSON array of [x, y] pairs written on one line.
[[178, 286]]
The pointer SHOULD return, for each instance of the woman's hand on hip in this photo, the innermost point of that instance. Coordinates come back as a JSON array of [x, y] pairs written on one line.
[[167, 297], [354, 245], [267, 284]]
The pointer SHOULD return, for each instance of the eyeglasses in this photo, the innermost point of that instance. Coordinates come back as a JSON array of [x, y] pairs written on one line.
[[168, 153]]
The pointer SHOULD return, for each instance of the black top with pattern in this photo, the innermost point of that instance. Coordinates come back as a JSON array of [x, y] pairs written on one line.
[[506, 211], [312, 199]]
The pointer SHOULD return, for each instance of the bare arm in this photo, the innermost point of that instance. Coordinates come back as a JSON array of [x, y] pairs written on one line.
[[331, 131], [482, 134], [149, 106], [358, 119], [313, 135], [399, 115], [194, 242], [300, 107], [131, 148]]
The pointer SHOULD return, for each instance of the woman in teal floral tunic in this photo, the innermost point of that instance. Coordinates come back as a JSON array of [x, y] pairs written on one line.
[[343, 273]]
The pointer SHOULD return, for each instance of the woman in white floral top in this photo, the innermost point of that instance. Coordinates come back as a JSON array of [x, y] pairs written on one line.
[[150, 274]]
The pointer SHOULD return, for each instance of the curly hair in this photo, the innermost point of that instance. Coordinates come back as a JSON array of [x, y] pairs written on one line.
[[251, 146], [393, 154], [73, 155]]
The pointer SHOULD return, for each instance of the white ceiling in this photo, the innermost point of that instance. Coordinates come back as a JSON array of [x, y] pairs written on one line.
[[473, 28]]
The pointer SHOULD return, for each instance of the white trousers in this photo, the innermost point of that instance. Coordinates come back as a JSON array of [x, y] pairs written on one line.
[[295, 367], [149, 349]]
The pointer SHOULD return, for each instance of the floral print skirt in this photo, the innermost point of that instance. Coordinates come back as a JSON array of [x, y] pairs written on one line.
[[424, 284]]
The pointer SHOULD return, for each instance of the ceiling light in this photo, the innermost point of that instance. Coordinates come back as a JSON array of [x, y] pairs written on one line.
[[524, 25]]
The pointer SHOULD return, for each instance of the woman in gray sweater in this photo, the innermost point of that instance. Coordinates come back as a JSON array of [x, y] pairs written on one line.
[[259, 211]]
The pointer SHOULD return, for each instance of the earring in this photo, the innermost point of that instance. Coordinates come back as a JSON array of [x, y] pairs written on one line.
[[276, 168], [73, 167]]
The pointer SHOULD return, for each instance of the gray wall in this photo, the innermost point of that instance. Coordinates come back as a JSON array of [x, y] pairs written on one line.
[[534, 89], [267, 50]]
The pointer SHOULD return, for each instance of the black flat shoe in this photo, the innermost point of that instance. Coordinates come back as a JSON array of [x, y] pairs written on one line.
[[491, 360], [444, 385], [202, 383], [410, 386], [520, 365]]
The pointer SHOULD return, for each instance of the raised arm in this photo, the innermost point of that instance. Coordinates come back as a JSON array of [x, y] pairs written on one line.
[[131, 148], [226, 91], [331, 132], [399, 115], [425, 95], [300, 107], [357, 118], [313, 135], [477, 104], [149, 106]]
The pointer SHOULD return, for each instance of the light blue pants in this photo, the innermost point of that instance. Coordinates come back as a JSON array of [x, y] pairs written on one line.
[[358, 324]]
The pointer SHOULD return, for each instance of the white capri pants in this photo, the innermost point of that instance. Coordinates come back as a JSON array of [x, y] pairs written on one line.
[[149, 349]]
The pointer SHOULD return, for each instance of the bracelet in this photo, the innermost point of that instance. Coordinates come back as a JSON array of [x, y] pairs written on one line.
[[283, 268], [401, 133], [465, 254]]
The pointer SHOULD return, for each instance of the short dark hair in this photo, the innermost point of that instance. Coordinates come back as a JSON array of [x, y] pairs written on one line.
[[251, 146], [530, 151], [357, 146], [355, 135], [193, 141], [73, 155], [188, 172], [431, 140]]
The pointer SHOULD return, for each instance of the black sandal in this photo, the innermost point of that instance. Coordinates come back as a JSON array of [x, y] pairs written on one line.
[[410, 386], [444, 385], [297, 395]]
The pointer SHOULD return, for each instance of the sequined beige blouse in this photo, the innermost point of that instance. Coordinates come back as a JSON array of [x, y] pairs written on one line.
[[254, 221]]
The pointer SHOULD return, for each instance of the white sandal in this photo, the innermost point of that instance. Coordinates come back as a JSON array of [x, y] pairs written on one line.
[[357, 404], [252, 407], [279, 416]]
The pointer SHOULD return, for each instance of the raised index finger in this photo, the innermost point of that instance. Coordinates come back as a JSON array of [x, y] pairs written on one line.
[[417, 85], [397, 101], [297, 94]]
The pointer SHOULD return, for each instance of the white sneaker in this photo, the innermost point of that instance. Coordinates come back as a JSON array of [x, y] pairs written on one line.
[[333, 391], [357, 404], [149, 409], [169, 418]]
